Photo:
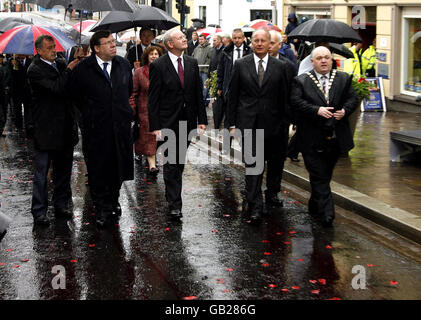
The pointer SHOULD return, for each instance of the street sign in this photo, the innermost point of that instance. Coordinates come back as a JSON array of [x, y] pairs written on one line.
[[376, 101]]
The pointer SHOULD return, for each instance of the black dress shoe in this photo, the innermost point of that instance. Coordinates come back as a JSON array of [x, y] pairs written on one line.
[[2, 235], [42, 220], [175, 214], [65, 213], [272, 200]]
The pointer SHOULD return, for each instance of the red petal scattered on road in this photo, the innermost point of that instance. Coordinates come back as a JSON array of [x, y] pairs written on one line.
[[92, 245], [300, 259], [285, 290], [214, 231], [370, 265], [9, 250], [322, 281], [315, 291], [272, 285], [334, 298], [226, 291], [267, 253], [312, 281], [292, 232], [216, 180], [229, 269], [265, 264], [73, 261], [190, 298], [16, 266], [279, 233], [265, 241], [296, 287], [220, 281], [86, 223], [141, 191], [227, 215], [25, 260], [394, 283], [329, 247], [228, 179], [167, 229], [199, 205], [287, 242]]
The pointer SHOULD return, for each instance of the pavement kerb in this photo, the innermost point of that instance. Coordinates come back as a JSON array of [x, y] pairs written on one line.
[[395, 219]]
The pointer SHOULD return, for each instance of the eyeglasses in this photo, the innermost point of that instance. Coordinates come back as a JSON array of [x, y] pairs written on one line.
[[109, 42]]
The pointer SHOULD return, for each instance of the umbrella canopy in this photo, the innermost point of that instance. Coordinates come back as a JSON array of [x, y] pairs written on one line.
[[328, 30], [12, 22], [208, 31], [264, 24], [86, 27], [125, 37], [341, 50], [88, 5], [21, 40], [142, 16]]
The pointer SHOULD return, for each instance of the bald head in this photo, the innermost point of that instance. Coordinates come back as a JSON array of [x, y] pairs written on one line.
[[321, 58], [261, 42]]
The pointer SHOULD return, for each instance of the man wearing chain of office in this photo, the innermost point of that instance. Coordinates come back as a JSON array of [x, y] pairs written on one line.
[[322, 101]]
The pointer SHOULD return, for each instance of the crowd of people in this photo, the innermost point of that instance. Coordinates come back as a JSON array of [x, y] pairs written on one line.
[[161, 86]]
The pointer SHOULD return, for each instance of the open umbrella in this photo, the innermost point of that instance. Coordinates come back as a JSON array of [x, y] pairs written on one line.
[[327, 30], [21, 40], [87, 25], [88, 5], [265, 24], [208, 31], [142, 16], [341, 50], [12, 22]]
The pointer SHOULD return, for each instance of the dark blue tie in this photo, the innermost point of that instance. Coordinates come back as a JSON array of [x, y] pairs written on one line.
[[54, 66], [106, 72]]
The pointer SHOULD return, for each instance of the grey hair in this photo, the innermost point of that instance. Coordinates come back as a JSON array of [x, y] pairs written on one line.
[[238, 30], [261, 29], [41, 38], [167, 38], [277, 34]]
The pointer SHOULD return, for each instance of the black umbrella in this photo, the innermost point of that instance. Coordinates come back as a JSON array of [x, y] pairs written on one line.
[[327, 30], [11, 22], [142, 16], [341, 50]]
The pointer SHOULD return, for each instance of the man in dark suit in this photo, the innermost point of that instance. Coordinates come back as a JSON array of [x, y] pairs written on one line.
[[193, 43], [323, 99], [146, 36], [55, 131], [175, 97], [102, 85], [256, 102]]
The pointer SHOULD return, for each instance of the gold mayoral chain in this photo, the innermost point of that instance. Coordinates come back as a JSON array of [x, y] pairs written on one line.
[[318, 84]]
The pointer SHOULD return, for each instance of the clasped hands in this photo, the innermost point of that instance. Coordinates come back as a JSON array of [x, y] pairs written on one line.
[[325, 112]]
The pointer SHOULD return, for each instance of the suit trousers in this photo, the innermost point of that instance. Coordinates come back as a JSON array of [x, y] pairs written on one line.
[[173, 176], [320, 166], [62, 169], [274, 158]]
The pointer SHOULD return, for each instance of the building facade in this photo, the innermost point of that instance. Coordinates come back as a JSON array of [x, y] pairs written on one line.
[[396, 26]]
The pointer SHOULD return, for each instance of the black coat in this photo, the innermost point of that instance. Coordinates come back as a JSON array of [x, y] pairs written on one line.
[[53, 115], [225, 66], [248, 103], [215, 59], [106, 117], [192, 46], [167, 98], [306, 98]]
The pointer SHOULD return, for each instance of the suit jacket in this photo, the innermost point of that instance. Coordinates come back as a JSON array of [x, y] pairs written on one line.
[[225, 66], [306, 98], [254, 107], [53, 114], [131, 54], [192, 46], [169, 101], [106, 116]]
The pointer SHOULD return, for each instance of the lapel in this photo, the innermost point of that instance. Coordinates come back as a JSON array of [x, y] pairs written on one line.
[[173, 72], [187, 71], [314, 84], [94, 64], [252, 68]]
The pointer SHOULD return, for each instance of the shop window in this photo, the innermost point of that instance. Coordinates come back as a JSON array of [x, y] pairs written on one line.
[[412, 56], [261, 14]]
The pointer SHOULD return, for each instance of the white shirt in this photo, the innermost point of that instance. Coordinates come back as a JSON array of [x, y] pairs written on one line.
[[319, 78], [46, 61], [174, 60], [101, 64], [265, 62], [305, 65], [235, 53]]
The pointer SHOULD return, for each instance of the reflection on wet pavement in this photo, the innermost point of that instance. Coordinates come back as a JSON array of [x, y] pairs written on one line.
[[213, 253]]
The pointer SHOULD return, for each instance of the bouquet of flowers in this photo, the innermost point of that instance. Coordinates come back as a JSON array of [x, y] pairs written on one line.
[[362, 87]]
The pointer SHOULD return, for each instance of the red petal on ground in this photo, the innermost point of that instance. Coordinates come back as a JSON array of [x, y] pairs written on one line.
[[334, 298], [300, 259], [292, 232], [9, 250], [73, 261], [226, 291], [394, 283], [199, 205], [312, 281], [329, 247], [267, 253], [16, 266], [92, 245], [2, 264], [190, 298], [141, 191], [248, 221], [265, 241], [167, 229], [279, 233], [322, 281], [265, 265], [370, 265], [25, 260], [296, 287], [220, 281], [228, 179], [315, 291], [287, 242], [229, 269], [285, 290], [214, 231], [272, 285], [86, 223], [227, 215]]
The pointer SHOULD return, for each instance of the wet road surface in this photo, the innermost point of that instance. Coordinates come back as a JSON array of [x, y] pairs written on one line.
[[213, 253]]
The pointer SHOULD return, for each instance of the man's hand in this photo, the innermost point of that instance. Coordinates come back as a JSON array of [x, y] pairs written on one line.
[[136, 65], [201, 128], [79, 53], [158, 134], [232, 131], [219, 93], [339, 114], [325, 112], [73, 64]]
